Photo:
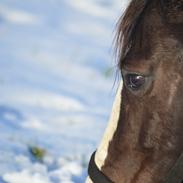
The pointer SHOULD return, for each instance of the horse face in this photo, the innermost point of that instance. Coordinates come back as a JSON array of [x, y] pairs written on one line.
[[148, 137]]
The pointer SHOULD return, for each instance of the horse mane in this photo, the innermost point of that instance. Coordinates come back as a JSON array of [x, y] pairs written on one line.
[[128, 28]]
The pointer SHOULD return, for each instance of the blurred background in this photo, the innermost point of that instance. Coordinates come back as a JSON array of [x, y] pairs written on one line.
[[57, 72]]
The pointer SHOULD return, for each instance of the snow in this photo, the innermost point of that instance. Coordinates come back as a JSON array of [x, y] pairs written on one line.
[[55, 85], [17, 17]]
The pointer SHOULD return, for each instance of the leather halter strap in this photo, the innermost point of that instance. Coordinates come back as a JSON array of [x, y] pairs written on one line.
[[175, 175], [95, 174]]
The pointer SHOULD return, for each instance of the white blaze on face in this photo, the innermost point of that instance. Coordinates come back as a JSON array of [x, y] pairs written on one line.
[[102, 150]]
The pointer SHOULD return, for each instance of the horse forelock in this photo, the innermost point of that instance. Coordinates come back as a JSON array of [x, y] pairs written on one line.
[[131, 25], [128, 28]]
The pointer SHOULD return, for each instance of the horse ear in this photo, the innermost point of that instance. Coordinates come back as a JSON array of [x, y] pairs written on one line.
[[173, 11]]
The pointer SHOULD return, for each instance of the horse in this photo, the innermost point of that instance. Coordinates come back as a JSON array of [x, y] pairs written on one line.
[[143, 142]]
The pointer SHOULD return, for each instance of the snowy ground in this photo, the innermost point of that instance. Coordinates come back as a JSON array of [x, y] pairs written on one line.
[[56, 85]]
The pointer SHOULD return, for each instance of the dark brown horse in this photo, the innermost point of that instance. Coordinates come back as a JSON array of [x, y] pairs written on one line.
[[144, 140]]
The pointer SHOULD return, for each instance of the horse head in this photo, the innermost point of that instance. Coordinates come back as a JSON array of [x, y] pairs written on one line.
[[144, 138]]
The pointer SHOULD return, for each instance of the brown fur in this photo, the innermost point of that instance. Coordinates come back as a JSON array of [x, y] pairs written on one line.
[[148, 139], [172, 10]]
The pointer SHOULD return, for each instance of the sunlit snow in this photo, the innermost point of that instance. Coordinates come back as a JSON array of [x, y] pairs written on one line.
[[57, 72]]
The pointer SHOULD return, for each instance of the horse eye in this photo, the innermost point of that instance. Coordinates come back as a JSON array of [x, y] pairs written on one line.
[[134, 81]]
